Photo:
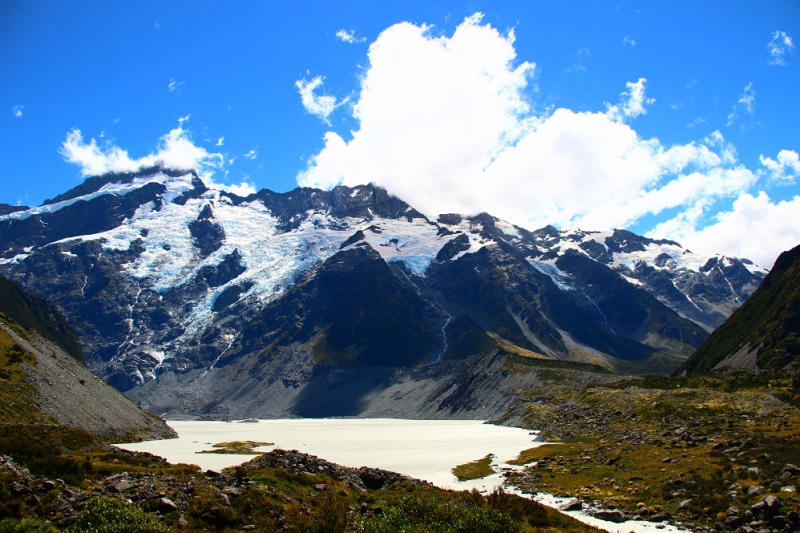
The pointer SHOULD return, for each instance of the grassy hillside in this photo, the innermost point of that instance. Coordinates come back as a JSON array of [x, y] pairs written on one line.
[[768, 321], [684, 449], [39, 315]]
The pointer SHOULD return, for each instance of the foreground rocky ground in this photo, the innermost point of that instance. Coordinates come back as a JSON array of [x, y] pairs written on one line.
[[718, 453]]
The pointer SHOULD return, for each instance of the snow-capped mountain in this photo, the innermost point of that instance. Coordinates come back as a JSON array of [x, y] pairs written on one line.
[[169, 283]]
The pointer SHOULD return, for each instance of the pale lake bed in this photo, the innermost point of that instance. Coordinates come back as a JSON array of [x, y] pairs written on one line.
[[423, 449]]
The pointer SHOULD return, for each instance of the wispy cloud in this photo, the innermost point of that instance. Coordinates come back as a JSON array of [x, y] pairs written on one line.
[[252, 154], [780, 45], [175, 86], [220, 141], [628, 41], [17, 110], [744, 106], [580, 58], [349, 37], [632, 102], [319, 105], [699, 121]]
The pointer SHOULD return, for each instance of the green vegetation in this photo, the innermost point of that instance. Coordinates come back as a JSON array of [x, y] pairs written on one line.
[[243, 447], [467, 513], [475, 469], [15, 393], [689, 446], [39, 315], [112, 515], [27, 525]]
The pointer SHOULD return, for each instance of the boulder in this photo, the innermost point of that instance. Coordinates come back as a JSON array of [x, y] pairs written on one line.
[[572, 504], [609, 515]]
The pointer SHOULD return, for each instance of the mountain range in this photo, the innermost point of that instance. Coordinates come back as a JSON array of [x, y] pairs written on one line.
[[199, 302]]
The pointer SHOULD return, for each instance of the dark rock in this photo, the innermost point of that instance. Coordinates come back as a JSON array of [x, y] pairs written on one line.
[[573, 504], [660, 517], [609, 515]]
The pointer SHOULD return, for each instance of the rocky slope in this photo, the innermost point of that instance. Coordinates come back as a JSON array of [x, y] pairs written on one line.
[[764, 332], [41, 383], [178, 291]]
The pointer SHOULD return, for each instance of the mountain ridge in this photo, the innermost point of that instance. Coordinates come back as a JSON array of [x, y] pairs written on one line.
[[175, 277]]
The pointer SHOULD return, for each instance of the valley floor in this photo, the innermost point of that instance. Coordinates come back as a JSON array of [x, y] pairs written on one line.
[[716, 453]]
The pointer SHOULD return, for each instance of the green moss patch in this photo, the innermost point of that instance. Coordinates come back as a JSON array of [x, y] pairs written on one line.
[[244, 447], [475, 469]]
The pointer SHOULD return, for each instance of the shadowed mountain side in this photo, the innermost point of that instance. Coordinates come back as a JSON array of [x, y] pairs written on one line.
[[40, 315], [764, 332], [353, 312]]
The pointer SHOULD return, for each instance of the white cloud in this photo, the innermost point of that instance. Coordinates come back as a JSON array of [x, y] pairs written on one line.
[[779, 46], [446, 124], [252, 154], [745, 104], [17, 110], [175, 150], [220, 141], [755, 228], [321, 106], [175, 86], [699, 121], [349, 37], [785, 170], [628, 41], [632, 102]]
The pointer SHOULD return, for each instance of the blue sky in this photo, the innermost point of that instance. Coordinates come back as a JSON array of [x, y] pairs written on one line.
[[673, 119]]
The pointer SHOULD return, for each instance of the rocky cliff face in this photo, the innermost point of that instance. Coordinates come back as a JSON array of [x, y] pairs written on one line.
[[168, 283]]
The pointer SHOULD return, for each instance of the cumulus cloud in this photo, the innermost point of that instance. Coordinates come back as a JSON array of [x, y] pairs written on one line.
[[744, 106], [175, 150], [755, 227], [785, 170], [778, 47], [252, 154], [349, 37], [632, 102], [321, 106], [220, 141], [446, 123]]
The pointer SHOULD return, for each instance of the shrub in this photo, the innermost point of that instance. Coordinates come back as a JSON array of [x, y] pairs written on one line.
[[431, 515], [28, 525], [112, 515]]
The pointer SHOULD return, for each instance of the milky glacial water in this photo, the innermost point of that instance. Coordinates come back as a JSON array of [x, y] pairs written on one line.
[[424, 449]]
